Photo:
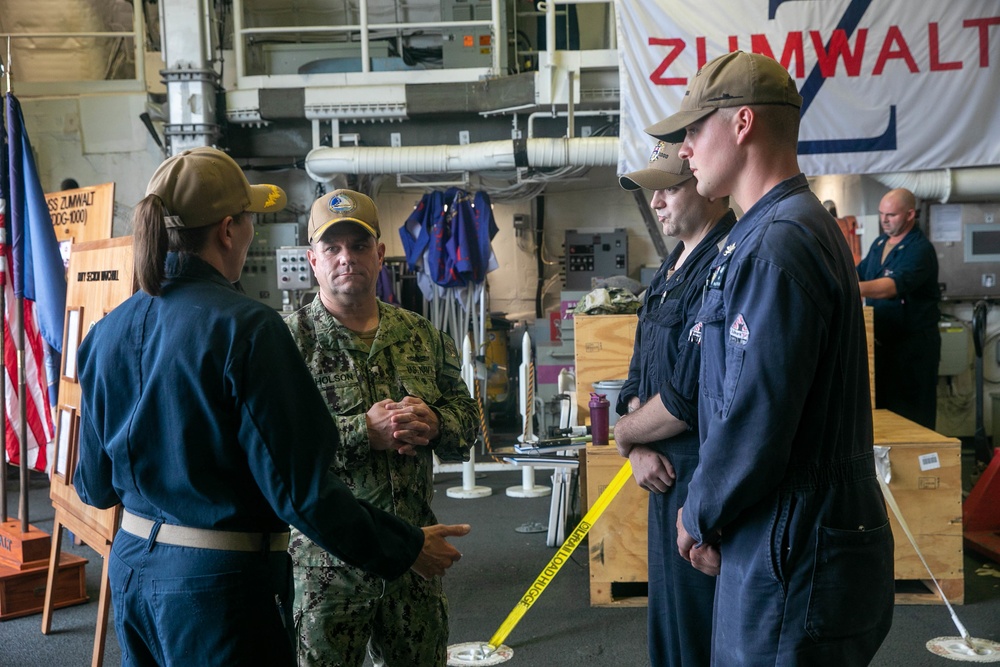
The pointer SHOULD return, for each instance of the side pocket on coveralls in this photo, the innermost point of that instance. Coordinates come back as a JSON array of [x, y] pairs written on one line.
[[849, 588], [734, 367]]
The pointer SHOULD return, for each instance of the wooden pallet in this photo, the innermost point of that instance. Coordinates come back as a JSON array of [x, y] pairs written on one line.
[[908, 592], [923, 591]]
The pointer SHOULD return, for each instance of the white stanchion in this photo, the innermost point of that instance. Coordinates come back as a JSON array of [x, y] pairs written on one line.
[[526, 400], [469, 489]]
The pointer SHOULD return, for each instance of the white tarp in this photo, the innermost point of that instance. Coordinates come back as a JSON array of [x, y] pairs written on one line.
[[888, 85]]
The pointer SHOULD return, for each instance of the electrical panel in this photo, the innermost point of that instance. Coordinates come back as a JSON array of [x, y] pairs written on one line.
[[966, 238], [293, 272], [259, 279], [593, 254], [468, 46]]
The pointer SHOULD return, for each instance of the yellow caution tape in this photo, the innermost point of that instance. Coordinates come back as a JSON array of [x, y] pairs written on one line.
[[565, 551]]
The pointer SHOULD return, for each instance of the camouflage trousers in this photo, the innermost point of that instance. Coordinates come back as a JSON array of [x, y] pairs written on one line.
[[341, 612]]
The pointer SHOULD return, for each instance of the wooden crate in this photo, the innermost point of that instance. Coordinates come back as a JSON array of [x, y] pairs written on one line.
[[602, 351], [22, 592], [927, 485], [930, 501], [618, 540]]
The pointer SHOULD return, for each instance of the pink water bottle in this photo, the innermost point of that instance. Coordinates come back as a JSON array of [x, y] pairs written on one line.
[[599, 406]]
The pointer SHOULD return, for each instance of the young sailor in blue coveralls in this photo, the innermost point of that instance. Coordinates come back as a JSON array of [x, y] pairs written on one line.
[[200, 417], [785, 485]]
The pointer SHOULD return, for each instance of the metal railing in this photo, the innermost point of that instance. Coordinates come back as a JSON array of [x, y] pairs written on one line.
[[363, 30], [110, 78]]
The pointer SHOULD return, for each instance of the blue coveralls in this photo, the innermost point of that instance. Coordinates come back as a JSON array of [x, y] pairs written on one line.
[[786, 484], [197, 410], [907, 335], [665, 362]]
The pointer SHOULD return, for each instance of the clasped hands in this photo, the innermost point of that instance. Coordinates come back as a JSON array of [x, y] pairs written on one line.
[[401, 425], [705, 558]]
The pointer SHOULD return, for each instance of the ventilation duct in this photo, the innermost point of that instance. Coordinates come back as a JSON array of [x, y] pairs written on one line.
[[947, 185], [323, 164]]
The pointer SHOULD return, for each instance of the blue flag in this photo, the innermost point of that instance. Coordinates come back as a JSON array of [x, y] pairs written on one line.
[[38, 271]]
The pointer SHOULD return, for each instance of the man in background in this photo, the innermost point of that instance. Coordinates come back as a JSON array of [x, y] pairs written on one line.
[[899, 280]]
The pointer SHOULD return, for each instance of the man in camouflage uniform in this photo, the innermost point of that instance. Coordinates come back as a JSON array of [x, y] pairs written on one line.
[[393, 385]]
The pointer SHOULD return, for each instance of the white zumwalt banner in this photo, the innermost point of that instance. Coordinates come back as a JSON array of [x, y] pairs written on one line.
[[888, 85]]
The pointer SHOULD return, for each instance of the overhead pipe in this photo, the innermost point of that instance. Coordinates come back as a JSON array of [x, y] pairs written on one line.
[[323, 163], [947, 185]]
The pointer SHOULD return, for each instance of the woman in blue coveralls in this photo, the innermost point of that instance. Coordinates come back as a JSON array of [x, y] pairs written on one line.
[[200, 417], [661, 399]]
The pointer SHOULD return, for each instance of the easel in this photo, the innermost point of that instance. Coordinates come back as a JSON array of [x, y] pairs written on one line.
[[100, 277]]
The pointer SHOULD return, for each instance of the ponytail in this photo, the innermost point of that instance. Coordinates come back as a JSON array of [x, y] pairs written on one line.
[[151, 241], [149, 244]]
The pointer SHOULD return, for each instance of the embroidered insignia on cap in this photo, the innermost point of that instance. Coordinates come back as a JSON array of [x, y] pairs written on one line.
[[342, 204], [694, 336], [658, 151], [273, 197], [739, 334], [729, 250]]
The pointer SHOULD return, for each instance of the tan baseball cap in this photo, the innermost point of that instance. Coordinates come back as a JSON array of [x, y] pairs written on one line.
[[732, 80], [203, 185], [665, 170], [343, 206]]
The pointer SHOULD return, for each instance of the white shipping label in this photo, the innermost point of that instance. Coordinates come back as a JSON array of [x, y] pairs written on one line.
[[929, 461]]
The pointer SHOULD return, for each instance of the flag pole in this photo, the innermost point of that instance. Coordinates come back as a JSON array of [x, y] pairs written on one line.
[[3, 363], [21, 378], [3, 311], [22, 388]]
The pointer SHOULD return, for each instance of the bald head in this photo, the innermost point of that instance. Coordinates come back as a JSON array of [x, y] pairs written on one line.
[[897, 213], [902, 197]]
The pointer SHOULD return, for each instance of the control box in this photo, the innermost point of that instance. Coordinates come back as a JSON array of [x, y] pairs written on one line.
[[293, 270], [594, 254], [259, 279], [966, 238], [469, 46]]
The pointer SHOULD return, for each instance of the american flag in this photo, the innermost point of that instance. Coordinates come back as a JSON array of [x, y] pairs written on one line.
[[33, 270]]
